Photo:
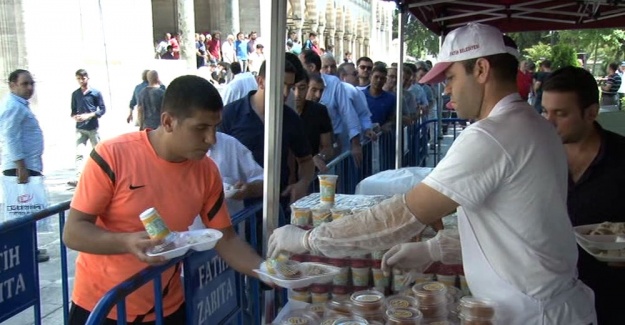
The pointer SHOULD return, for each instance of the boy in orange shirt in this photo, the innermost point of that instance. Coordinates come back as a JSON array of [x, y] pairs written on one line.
[[168, 169]]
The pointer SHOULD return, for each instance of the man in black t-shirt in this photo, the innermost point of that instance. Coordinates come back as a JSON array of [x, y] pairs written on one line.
[[317, 123], [539, 78]]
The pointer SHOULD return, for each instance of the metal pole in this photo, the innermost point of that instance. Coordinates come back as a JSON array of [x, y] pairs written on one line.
[[399, 128], [275, 23]]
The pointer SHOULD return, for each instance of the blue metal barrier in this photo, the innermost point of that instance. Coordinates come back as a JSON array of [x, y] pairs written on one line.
[[204, 274], [19, 270], [380, 155]]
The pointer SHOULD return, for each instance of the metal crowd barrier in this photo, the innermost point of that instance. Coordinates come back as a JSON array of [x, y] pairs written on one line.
[[380, 155], [214, 292], [19, 270]]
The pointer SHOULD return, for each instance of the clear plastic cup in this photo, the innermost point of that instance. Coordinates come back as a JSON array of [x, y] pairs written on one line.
[[320, 215], [300, 216], [327, 189], [448, 280], [430, 293], [476, 308]]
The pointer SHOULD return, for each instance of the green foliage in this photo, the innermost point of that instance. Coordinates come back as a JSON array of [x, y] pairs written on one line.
[[420, 41], [538, 52], [563, 55]]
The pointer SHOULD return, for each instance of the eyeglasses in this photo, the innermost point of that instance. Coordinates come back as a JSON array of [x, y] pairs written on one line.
[[365, 67]]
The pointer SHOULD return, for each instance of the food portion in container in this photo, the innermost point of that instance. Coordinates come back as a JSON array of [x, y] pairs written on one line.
[[477, 310], [609, 228], [403, 316], [300, 317], [430, 293]]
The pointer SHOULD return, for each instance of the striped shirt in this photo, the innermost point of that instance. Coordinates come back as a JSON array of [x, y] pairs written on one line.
[[21, 135]]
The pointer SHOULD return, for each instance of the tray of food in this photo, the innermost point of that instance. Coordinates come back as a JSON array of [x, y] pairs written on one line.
[[604, 241], [229, 190], [601, 236], [181, 242], [294, 275]]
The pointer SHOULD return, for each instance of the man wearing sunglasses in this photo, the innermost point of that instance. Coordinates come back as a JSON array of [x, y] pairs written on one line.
[[365, 66]]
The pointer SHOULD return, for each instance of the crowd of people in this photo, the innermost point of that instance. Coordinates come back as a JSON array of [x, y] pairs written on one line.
[[518, 189]]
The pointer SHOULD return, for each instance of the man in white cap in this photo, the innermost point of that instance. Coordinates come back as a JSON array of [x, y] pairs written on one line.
[[507, 174]]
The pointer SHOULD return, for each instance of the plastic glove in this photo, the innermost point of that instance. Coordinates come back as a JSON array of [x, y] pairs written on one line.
[[445, 248], [378, 228], [407, 257], [288, 239]]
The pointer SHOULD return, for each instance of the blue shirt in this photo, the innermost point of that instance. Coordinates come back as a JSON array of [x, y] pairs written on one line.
[[419, 94], [342, 113], [135, 94], [359, 101], [382, 107], [241, 121], [241, 49], [21, 134], [89, 102]]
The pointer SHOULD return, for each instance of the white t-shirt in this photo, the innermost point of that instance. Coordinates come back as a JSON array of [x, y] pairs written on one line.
[[509, 174], [239, 87], [235, 163]]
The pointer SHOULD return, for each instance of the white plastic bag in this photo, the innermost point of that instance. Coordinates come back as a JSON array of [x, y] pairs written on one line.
[[23, 199]]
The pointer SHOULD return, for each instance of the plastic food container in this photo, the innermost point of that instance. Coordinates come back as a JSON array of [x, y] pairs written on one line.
[[430, 293], [448, 280], [403, 316], [367, 301], [198, 240], [338, 213], [380, 280], [422, 277], [476, 308], [317, 309], [299, 317], [338, 308], [342, 278], [320, 215], [468, 320], [434, 311], [361, 273], [327, 189], [352, 320], [398, 281], [300, 216], [319, 294], [302, 295], [400, 301]]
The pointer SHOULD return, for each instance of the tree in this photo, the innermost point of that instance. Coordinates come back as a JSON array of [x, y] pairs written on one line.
[[420, 41], [563, 55], [538, 52]]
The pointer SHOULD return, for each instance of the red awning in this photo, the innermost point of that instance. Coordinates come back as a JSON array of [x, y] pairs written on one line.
[[441, 16]]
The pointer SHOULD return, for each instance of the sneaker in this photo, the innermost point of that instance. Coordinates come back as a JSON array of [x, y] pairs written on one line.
[[72, 183], [42, 257]]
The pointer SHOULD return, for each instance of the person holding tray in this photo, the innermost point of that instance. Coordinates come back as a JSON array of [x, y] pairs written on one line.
[[507, 175], [167, 169]]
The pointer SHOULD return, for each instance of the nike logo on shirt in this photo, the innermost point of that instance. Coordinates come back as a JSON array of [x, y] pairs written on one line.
[[135, 187]]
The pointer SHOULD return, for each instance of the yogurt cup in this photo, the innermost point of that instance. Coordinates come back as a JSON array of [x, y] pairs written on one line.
[[338, 213], [300, 216], [448, 280], [400, 301], [430, 293], [403, 316], [327, 189], [342, 278], [380, 280], [320, 215], [477, 309]]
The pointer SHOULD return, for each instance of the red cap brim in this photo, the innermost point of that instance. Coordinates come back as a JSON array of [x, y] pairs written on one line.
[[437, 74]]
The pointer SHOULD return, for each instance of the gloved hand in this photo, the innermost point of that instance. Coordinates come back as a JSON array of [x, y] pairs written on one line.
[[289, 239], [445, 248], [408, 257]]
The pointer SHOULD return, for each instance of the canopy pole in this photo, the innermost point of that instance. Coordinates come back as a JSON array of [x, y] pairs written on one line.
[[275, 23], [399, 127]]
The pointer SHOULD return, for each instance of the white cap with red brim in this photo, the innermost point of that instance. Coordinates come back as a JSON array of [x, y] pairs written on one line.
[[465, 43]]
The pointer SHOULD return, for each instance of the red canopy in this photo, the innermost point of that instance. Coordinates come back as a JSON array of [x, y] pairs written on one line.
[[441, 16]]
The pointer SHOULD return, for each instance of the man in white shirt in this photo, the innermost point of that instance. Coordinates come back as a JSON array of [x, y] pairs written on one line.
[[506, 174], [240, 86], [238, 169]]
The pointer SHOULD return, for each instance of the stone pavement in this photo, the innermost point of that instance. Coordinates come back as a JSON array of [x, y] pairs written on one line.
[[50, 272]]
